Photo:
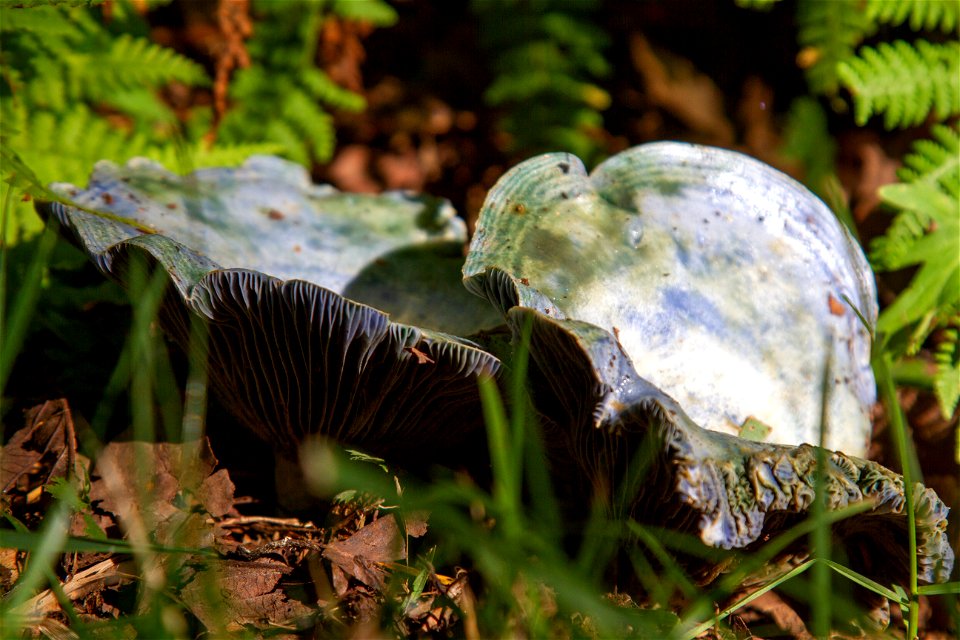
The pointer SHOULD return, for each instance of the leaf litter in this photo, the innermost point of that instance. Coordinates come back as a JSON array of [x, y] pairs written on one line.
[[178, 512]]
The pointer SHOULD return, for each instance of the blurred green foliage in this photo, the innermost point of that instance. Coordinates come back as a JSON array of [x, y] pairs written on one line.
[[547, 57], [283, 97], [908, 84], [82, 81]]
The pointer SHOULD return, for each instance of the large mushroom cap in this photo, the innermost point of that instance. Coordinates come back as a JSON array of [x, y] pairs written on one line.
[[726, 282], [677, 292], [284, 272]]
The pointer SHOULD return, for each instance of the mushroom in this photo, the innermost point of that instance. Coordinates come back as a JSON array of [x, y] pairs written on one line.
[[287, 274], [689, 294], [681, 295]]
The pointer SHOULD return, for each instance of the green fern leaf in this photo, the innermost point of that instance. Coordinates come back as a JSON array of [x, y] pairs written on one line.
[[26, 4], [829, 31], [280, 132], [759, 5], [308, 117], [43, 19], [946, 381], [322, 88], [184, 159], [376, 12], [133, 62], [807, 140], [62, 146], [935, 288], [935, 162], [904, 82], [921, 14]]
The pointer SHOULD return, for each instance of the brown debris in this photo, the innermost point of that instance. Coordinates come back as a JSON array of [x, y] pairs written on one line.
[[341, 51], [154, 489], [761, 136], [111, 572], [44, 449], [863, 168], [782, 614], [247, 593], [364, 554], [233, 18], [677, 87], [421, 357]]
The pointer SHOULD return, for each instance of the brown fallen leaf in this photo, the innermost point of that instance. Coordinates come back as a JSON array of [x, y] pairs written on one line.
[[690, 96], [782, 614], [246, 593], [48, 439], [158, 491], [9, 568], [363, 553]]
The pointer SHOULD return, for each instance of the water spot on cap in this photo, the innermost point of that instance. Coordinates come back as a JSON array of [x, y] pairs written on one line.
[[634, 232]]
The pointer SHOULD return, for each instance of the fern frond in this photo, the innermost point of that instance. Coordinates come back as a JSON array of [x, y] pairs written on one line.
[[903, 81], [921, 14], [828, 32], [280, 132], [322, 88], [759, 5], [935, 162], [890, 250], [807, 140], [946, 381], [133, 62], [312, 121], [43, 19], [546, 58], [925, 234], [376, 12], [59, 146], [200, 156], [28, 4]]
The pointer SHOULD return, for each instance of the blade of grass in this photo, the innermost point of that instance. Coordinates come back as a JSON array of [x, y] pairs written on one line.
[[66, 605], [796, 571], [752, 563], [4, 217], [865, 582], [820, 537], [722, 615], [910, 471], [195, 392], [669, 565], [17, 320], [544, 507], [44, 547], [943, 589], [31, 540], [506, 479]]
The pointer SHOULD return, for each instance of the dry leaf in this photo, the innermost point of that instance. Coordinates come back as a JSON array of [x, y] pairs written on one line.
[[157, 487], [47, 439], [247, 593], [690, 96], [362, 554]]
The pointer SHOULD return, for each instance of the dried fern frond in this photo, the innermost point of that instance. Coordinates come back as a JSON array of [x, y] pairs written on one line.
[[921, 15], [903, 81]]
